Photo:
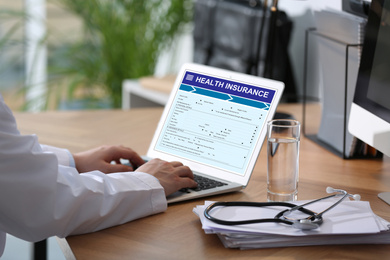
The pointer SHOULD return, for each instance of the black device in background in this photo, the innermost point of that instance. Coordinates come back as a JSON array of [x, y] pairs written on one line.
[[248, 36], [356, 7]]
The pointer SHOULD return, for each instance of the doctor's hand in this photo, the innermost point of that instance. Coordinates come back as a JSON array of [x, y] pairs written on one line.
[[100, 159], [173, 176]]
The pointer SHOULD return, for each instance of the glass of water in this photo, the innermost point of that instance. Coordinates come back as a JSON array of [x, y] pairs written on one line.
[[283, 159]]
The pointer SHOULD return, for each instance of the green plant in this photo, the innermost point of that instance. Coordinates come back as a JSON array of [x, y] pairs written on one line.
[[122, 40]]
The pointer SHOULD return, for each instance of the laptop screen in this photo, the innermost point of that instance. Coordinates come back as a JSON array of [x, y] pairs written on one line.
[[215, 121]]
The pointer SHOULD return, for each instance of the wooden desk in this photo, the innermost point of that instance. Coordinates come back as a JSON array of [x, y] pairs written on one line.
[[177, 233]]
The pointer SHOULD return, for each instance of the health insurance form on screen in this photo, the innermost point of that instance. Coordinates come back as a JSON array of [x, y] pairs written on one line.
[[216, 126]]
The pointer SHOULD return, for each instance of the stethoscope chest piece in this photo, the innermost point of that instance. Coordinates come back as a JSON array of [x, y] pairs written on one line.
[[305, 224], [312, 221]]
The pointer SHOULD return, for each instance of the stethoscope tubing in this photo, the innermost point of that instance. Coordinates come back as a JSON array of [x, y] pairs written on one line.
[[313, 219], [276, 219]]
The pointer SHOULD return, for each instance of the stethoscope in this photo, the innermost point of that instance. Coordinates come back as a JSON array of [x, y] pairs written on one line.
[[313, 221]]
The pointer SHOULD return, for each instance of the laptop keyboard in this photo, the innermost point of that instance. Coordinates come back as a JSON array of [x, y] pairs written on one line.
[[204, 183]]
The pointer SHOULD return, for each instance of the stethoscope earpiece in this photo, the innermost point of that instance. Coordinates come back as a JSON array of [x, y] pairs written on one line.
[[330, 190], [356, 197]]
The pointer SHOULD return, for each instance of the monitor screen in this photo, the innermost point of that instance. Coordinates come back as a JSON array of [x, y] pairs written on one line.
[[370, 110]]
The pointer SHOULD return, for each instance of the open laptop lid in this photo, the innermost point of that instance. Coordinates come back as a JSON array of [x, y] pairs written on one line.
[[215, 121]]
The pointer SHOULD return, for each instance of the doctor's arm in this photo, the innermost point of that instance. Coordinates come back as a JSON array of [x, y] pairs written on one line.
[[43, 195]]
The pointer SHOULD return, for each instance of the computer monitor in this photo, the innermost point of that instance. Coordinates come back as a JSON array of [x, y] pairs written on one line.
[[369, 118]]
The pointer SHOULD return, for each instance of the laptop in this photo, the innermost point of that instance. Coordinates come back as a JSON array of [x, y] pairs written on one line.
[[215, 123]]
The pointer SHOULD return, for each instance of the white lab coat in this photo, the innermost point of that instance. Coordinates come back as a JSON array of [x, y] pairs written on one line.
[[42, 195]]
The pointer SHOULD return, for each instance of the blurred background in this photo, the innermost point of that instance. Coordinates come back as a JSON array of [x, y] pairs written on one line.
[[69, 54]]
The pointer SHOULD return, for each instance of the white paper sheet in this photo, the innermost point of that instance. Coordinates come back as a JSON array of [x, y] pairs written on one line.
[[349, 217], [351, 222]]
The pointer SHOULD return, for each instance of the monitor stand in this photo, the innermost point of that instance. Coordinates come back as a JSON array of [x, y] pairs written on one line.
[[385, 196]]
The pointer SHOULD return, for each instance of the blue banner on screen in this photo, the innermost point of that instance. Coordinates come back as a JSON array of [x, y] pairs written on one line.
[[215, 121], [229, 87]]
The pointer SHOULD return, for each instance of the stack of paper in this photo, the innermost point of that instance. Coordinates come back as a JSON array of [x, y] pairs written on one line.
[[351, 222]]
